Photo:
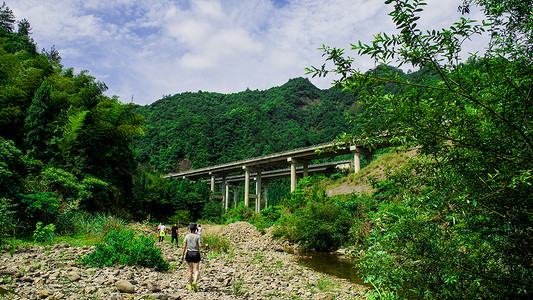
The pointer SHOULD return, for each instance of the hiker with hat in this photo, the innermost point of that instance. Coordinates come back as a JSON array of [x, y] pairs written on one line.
[[191, 253]]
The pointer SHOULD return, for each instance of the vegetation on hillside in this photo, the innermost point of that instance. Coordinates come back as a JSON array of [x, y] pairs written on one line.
[[64, 145], [455, 223], [452, 222], [193, 130]]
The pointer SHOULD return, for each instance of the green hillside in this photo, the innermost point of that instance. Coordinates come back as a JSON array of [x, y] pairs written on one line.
[[200, 129]]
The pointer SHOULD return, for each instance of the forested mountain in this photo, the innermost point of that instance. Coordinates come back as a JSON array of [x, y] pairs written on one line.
[[206, 128], [64, 145]]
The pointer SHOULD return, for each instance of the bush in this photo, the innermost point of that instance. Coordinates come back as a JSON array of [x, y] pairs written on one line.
[[44, 233], [216, 242], [180, 217], [321, 226], [266, 218], [213, 210], [124, 247], [6, 220], [84, 222], [239, 213]]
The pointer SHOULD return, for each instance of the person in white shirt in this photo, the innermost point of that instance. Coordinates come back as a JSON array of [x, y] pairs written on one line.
[[162, 229], [199, 231]]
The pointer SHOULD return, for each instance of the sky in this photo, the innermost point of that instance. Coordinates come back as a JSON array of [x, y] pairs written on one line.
[[144, 50]]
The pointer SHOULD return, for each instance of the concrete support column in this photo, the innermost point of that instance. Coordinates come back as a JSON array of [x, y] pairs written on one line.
[[225, 192], [294, 162], [246, 187], [234, 196], [356, 162], [306, 170], [266, 194], [293, 177], [258, 192], [213, 184]]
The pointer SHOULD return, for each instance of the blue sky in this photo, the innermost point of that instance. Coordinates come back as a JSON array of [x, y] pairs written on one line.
[[151, 48]]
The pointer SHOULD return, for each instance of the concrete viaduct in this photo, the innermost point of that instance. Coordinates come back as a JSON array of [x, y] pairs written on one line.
[[260, 169]]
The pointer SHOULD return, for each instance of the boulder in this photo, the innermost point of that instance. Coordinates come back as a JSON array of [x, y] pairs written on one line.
[[125, 286]]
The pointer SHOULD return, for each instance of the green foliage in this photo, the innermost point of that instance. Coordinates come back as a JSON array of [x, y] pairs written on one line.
[[318, 223], [12, 169], [180, 217], [7, 18], [39, 206], [213, 211], [44, 233], [6, 220], [266, 217], [124, 247], [239, 213], [86, 223], [77, 140], [306, 188], [185, 195], [457, 222], [216, 242], [201, 129], [36, 119]]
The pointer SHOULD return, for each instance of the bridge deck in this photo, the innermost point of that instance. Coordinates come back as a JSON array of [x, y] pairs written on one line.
[[305, 154]]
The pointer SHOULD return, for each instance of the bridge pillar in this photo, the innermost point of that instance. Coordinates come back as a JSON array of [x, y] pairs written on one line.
[[225, 192], [258, 192], [358, 151], [234, 196], [356, 162], [294, 162], [246, 186], [266, 194], [212, 183], [293, 177]]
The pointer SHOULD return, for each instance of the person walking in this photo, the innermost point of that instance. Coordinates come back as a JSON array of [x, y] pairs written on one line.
[[199, 231], [191, 253], [162, 232], [174, 234]]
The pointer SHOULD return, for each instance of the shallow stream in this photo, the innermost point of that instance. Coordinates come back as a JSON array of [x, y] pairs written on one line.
[[331, 263]]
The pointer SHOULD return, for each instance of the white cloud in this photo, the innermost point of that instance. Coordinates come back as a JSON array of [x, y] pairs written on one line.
[[151, 48]]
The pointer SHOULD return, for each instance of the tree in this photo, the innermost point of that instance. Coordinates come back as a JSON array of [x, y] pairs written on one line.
[[24, 28], [7, 18], [36, 120], [53, 55], [456, 223]]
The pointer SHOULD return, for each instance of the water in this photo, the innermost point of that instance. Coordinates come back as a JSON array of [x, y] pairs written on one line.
[[333, 264]]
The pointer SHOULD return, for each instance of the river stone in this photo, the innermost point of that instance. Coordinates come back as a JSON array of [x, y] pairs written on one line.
[[125, 286], [44, 294], [153, 286], [74, 276]]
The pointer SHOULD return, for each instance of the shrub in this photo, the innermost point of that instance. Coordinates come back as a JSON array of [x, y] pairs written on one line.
[[213, 210], [180, 217], [321, 226], [44, 233], [126, 248], [239, 213], [216, 242], [6, 220]]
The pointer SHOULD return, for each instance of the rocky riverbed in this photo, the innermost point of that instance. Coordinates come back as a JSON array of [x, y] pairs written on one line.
[[255, 268]]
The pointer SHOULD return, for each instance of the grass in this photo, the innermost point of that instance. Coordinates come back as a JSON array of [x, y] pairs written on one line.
[[237, 284], [216, 242], [97, 225], [86, 230], [377, 168], [325, 284]]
